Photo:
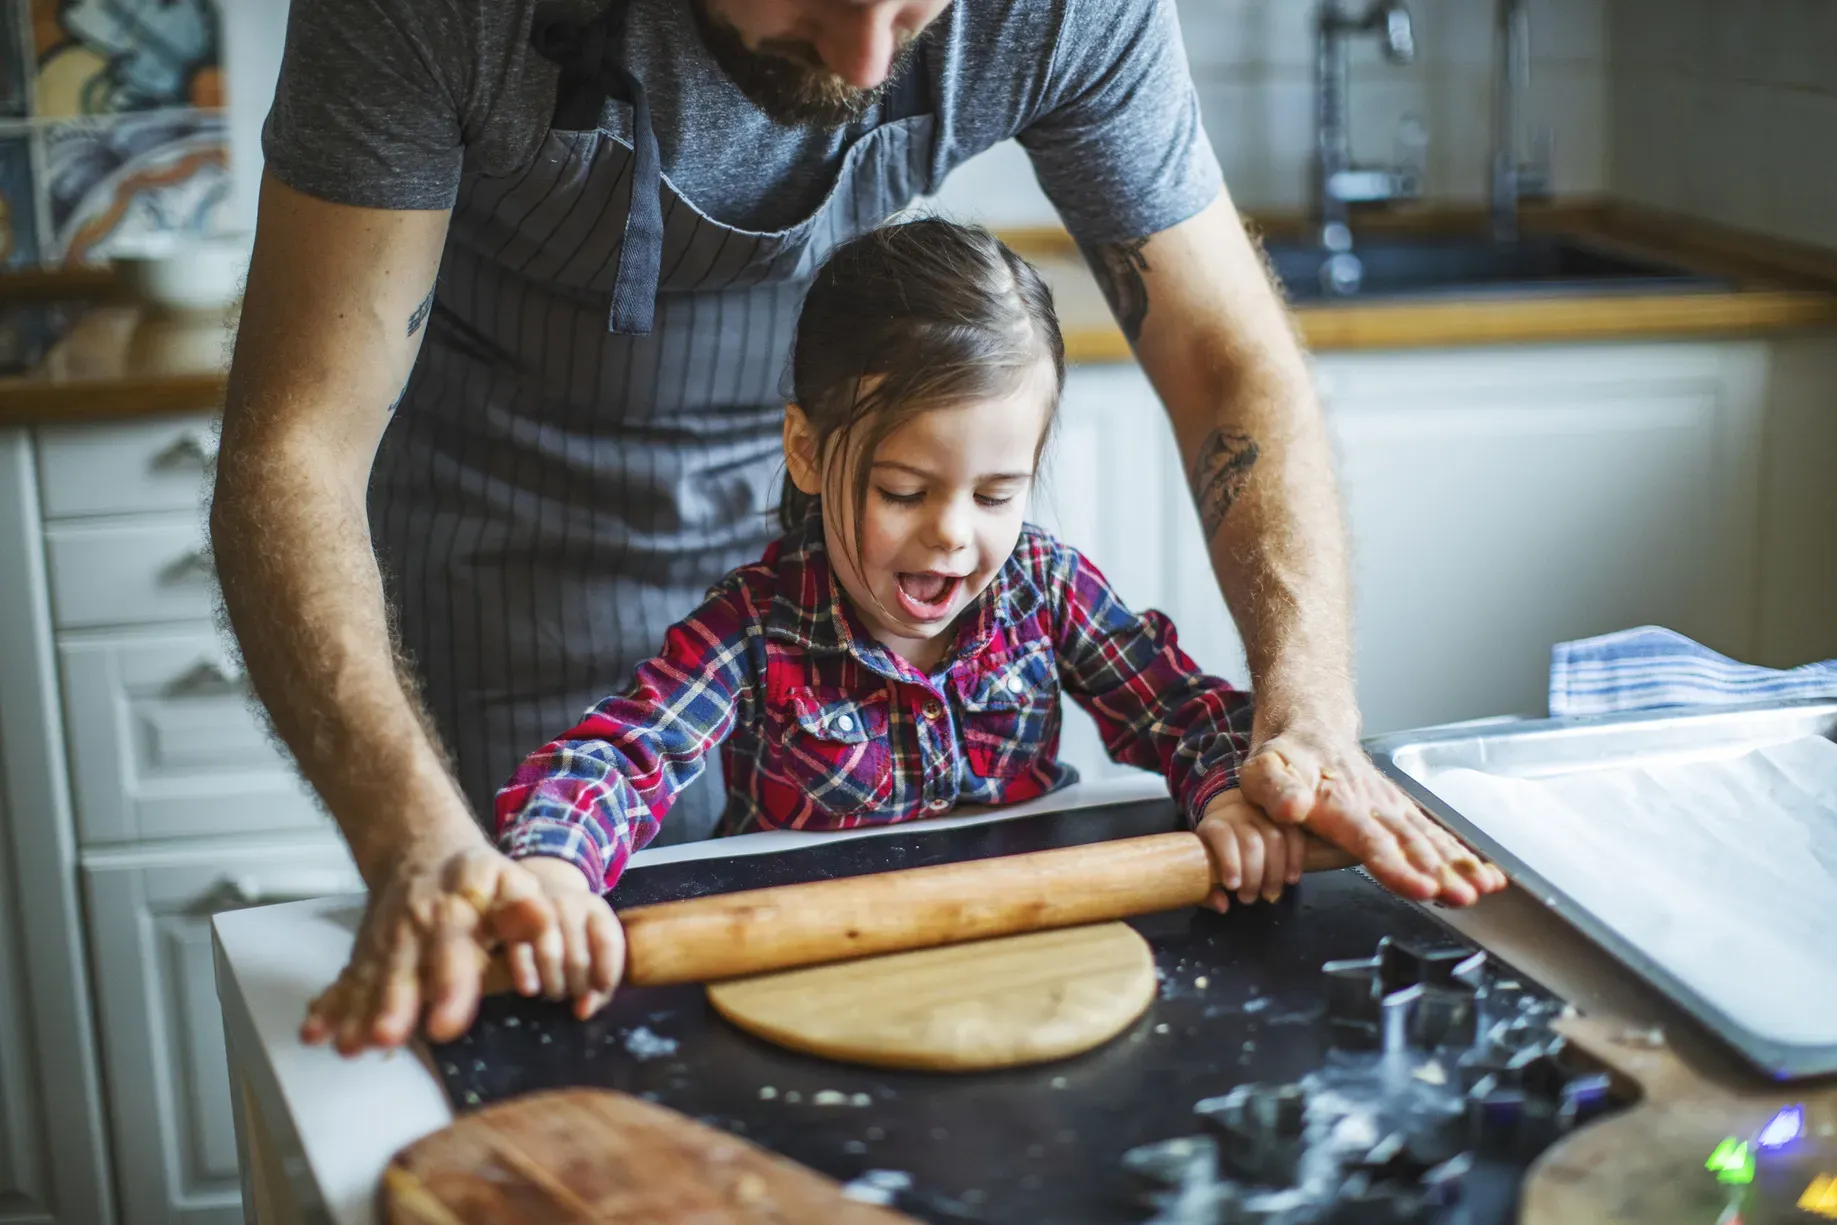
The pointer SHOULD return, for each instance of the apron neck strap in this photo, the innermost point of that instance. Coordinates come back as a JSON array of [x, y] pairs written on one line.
[[593, 71]]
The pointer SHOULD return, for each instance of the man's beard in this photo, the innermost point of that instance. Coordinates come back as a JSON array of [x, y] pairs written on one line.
[[787, 80]]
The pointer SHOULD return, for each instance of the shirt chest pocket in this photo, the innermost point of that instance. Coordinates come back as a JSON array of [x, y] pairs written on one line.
[[1010, 711], [834, 748]]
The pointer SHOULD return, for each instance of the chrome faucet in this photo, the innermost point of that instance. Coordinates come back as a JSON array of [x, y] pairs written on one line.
[[1510, 179], [1341, 183]]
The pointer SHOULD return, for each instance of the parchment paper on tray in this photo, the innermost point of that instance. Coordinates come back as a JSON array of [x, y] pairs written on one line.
[[1721, 872]]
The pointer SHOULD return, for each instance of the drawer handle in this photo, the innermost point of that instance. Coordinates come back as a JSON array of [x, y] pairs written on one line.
[[198, 561], [220, 672], [241, 892], [193, 448]]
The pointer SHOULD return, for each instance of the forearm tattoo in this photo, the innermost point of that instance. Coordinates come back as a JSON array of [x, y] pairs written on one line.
[[1119, 267], [1219, 476], [419, 318]]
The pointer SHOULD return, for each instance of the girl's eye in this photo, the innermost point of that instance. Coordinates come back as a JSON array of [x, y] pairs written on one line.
[[902, 499], [991, 502]]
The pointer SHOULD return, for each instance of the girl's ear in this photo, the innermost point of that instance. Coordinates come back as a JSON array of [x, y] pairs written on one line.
[[800, 452]]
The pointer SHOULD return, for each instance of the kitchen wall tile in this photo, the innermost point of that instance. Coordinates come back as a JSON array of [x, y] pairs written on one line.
[[1264, 135], [109, 178], [106, 56], [1454, 34], [1669, 35], [1224, 36], [15, 62], [1569, 102], [1646, 111], [18, 202], [1461, 142], [1805, 204], [1568, 31]]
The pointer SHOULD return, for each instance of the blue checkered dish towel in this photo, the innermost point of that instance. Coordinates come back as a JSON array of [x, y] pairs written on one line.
[[1649, 667]]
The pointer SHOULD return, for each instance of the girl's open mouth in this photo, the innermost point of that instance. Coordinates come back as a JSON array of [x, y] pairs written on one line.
[[927, 596]]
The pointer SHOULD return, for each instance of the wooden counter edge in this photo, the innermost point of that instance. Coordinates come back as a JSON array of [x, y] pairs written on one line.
[[1467, 321], [28, 402]]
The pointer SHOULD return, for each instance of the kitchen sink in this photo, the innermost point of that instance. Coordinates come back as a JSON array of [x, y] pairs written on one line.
[[1420, 267]]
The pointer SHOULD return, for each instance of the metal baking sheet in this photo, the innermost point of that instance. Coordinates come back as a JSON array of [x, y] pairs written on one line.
[[1543, 748]]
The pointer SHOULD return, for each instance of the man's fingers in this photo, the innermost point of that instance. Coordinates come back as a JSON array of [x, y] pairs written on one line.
[[452, 970], [399, 994], [1281, 778]]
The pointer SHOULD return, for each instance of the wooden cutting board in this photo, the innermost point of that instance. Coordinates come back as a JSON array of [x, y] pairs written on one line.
[[997, 1003], [594, 1157]]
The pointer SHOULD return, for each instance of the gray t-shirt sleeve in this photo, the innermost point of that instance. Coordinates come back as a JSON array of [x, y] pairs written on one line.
[[368, 110], [1118, 143]]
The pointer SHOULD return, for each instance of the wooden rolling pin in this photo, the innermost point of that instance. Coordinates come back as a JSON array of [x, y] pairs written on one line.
[[730, 934]]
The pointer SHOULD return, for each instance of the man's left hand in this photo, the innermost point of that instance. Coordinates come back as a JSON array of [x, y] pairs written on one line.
[[1328, 785]]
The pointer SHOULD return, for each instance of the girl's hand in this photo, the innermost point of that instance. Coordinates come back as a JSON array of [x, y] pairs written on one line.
[[581, 953], [1251, 855]]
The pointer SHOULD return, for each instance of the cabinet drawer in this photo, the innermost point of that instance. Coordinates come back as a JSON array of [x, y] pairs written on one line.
[[162, 1031], [164, 744], [130, 573], [129, 467]]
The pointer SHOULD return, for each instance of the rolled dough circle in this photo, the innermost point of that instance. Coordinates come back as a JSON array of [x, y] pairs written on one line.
[[965, 1007]]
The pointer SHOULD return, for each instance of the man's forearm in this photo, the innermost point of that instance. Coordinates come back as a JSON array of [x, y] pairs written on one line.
[[303, 592], [1262, 478], [1210, 329]]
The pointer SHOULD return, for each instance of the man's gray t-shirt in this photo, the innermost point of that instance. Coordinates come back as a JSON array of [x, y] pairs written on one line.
[[382, 103]]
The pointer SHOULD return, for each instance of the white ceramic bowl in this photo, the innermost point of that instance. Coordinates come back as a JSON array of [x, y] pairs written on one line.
[[181, 271]]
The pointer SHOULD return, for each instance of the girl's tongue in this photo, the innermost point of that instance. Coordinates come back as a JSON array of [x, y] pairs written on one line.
[[929, 592]]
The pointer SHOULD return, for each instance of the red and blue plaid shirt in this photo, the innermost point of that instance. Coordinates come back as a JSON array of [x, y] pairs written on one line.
[[821, 727]]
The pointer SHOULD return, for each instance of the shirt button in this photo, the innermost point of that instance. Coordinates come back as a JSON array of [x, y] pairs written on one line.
[[933, 710], [938, 805], [1016, 684], [844, 722]]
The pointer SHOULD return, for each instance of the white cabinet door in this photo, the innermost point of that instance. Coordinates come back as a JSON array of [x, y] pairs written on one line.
[[165, 743], [23, 1183], [1501, 501], [168, 1081], [1113, 488]]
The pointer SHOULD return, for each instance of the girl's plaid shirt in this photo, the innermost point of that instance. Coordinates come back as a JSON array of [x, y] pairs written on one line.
[[820, 727]]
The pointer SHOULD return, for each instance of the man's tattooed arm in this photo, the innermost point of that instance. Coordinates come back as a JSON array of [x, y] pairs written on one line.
[[1219, 476], [419, 318], [1119, 267]]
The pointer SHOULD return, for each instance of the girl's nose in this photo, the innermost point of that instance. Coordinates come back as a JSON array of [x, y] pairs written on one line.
[[952, 528]]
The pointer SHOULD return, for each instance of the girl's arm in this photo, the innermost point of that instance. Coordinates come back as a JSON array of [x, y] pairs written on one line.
[[1153, 705], [600, 791]]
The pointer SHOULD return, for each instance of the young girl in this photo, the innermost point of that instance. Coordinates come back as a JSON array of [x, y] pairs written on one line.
[[903, 648]]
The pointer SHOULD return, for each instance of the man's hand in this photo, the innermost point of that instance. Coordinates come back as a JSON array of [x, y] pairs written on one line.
[[421, 948], [1328, 785], [1251, 855], [581, 953]]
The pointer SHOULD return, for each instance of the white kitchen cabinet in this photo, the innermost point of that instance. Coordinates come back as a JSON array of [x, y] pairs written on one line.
[[162, 1037], [1498, 501], [165, 742], [23, 1193], [53, 1156], [1505, 500]]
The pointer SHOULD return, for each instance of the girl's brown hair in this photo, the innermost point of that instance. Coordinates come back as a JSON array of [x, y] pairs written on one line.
[[907, 318]]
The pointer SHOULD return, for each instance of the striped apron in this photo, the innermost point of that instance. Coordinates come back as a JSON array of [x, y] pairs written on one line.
[[590, 438]]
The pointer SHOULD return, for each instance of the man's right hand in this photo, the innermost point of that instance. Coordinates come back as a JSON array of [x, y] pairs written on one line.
[[421, 949]]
